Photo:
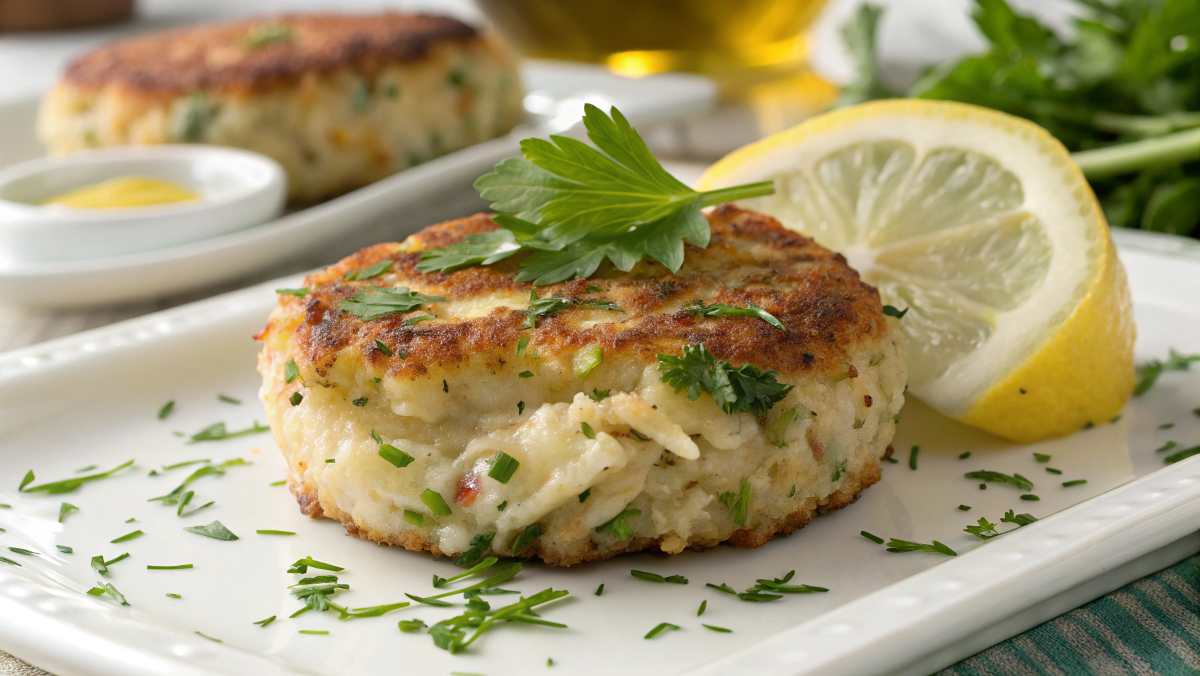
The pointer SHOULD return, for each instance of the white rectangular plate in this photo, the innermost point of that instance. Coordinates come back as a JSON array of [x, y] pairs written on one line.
[[92, 399]]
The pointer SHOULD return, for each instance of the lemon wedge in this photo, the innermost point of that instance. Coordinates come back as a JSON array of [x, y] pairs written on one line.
[[980, 225]]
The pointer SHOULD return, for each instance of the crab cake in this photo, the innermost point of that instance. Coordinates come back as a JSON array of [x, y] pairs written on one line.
[[436, 418], [339, 100]]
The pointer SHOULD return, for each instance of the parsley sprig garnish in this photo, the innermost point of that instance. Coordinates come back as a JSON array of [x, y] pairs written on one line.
[[543, 307], [451, 634], [699, 309], [374, 302], [895, 545], [744, 388], [570, 206]]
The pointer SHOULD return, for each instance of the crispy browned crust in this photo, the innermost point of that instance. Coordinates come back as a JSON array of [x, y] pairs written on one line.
[[828, 311], [749, 538], [215, 56]]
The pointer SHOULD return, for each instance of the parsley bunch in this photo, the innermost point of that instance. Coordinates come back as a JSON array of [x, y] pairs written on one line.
[[1122, 92], [570, 206]]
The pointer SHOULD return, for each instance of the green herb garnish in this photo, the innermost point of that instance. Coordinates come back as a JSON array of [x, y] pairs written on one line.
[[699, 309], [663, 626], [413, 321], [397, 457], [434, 501], [214, 530], [290, 371], [64, 549], [228, 399], [297, 292], [451, 635], [103, 588], [912, 457], [296, 398], [544, 307], [894, 312], [265, 531], [128, 536], [575, 205], [594, 358], [409, 626], [368, 272], [301, 566], [482, 565], [1076, 482], [64, 509], [264, 623], [873, 538], [655, 577], [721, 588], [182, 566], [599, 395], [387, 351], [217, 432], [584, 495], [374, 302], [745, 388], [587, 430], [895, 545], [66, 485], [1180, 455], [526, 538], [722, 630], [739, 506], [1149, 372], [264, 35], [617, 526], [166, 409], [1013, 480], [479, 544], [503, 467]]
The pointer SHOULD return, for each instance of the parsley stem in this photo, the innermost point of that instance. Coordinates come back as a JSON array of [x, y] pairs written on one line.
[[1125, 158], [737, 192]]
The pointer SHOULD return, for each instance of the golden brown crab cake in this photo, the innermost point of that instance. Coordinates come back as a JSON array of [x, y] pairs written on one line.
[[611, 459], [339, 100]]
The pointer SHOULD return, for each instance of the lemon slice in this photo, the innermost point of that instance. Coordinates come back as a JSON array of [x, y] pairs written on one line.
[[980, 225]]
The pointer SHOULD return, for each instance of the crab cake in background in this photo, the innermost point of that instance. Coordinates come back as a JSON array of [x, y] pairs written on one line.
[[456, 413], [339, 100]]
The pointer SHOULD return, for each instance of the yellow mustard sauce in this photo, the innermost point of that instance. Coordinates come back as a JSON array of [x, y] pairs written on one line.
[[123, 192]]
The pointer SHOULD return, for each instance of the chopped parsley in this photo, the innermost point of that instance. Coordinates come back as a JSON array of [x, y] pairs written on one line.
[[397, 457], [166, 409], [873, 538], [964, 508], [413, 321], [374, 302], [368, 272], [526, 538], [415, 518], [544, 307], [663, 626], [503, 467], [722, 630], [479, 544], [699, 309], [264, 623], [739, 505], [1013, 480], [128, 536], [217, 432], [839, 469], [964, 455], [434, 501], [66, 485], [182, 566], [103, 588], [22, 551], [587, 430], [1041, 457], [520, 408], [265, 531], [9, 561], [780, 585], [895, 545], [912, 457], [655, 577], [64, 549], [387, 351], [299, 292], [1051, 470], [522, 345], [617, 526], [745, 388], [181, 496], [585, 495], [1181, 455], [721, 588], [1149, 372], [229, 400], [702, 608], [296, 398], [302, 565], [600, 589], [409, 626], [984, 530], [776, 432], [599, 395], [1030, 496], [65, 509], [482, 565], [290, 371], [215, 530], [891, 311], [451, 634], [1075, 482], [592, 359], [525, 374]]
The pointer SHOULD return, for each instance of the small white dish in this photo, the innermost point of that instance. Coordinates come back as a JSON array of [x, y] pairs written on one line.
[[238, 189]]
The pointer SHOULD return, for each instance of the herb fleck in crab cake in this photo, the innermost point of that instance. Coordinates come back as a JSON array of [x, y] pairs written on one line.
[[470, 412]]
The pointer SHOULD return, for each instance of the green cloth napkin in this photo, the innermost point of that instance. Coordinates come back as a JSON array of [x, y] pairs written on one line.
[[1151, 626]]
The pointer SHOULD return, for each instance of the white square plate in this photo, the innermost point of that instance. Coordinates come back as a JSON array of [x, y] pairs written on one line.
[[92, 399]]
